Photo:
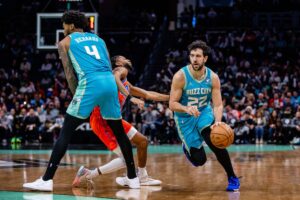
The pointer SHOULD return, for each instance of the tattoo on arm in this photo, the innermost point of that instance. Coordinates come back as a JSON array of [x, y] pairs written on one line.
[[68, 68]]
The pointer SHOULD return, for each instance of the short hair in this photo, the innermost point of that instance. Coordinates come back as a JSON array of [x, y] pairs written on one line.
[[199, 44], [114, 60], [74, 17]]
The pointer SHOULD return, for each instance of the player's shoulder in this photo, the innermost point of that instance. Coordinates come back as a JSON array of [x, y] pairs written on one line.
[[179, 75], [65, 41], [179, 79], [214, 78], [213, 75]]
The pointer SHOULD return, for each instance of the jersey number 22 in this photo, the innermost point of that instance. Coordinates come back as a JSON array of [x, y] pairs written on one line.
[[199, 102]]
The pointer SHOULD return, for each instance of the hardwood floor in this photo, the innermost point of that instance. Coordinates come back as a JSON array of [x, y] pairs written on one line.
[[265, 175]]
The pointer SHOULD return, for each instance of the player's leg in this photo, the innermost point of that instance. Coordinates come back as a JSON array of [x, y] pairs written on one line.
[[99, 126], [224, 159], [85, 176], [191, 141], [45, 183], [104, 133], [79, 109], [141, 143], [110, 109]]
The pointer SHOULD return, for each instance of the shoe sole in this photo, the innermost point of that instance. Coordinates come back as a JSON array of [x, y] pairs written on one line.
[[126, 185], [235, 190], [30, 188], [150, 184]]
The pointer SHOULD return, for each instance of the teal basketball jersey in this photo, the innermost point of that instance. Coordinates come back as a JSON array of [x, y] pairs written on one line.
[[196, 93], [88, 54]]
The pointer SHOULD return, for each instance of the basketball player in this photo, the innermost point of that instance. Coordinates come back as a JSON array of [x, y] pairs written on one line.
[[121, 66], [193, 88], [87, 54]]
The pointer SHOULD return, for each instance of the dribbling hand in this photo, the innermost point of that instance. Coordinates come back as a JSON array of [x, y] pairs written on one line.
[[193, 110], [216, 124]]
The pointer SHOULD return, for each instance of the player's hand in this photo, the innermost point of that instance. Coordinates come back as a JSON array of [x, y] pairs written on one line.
[[216, 124], [193, 110], [140, 103]]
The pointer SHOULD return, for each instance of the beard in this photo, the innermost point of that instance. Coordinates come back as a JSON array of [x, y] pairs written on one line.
[[197, 67]]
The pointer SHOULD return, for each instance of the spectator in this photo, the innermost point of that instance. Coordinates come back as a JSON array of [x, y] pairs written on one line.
[[260, 122], [31, 124], [296, 128]]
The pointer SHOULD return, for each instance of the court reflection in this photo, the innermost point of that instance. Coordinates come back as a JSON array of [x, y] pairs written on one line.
[[137, 194]]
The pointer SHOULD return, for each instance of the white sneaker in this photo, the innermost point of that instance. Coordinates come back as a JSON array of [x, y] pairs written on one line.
[[40, 185], [125, 181], [81, 179], [148, 181]]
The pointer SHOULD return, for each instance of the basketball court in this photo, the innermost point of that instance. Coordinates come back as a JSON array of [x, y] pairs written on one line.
[[268, 172]]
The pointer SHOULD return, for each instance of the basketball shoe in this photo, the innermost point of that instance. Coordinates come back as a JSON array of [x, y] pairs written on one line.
[[131, 183], [40, 185], [146, 180], [81, 179], [233, 184]]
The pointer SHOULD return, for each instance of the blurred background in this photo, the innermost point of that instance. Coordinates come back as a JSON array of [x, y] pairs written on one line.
[[255, 51]]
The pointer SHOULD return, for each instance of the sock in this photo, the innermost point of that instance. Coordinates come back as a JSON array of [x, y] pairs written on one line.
[[94, 173], [142, 172], [112, 166]]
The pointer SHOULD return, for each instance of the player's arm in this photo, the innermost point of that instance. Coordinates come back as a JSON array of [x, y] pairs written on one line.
[[63, 47], [217, 98], [178, 83], [148, 95], [121, 73]]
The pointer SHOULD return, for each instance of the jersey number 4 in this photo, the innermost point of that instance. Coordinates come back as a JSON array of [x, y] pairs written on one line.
[[93, 52], [193, 101]]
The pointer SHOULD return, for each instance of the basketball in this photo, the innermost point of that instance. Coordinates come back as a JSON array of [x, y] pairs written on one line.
[[222, 136]]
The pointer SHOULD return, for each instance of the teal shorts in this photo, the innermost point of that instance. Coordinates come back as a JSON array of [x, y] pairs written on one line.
[[190, 128], [99, 89]]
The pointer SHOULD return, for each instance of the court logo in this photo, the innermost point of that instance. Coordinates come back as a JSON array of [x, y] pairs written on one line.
[[24, 163]]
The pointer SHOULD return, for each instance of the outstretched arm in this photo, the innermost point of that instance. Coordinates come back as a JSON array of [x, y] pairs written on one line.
[[63, 47], [148, 95], [121, 73]]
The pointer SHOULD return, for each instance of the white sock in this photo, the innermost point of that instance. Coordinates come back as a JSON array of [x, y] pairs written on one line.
[[142, 171], [112, 166]]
